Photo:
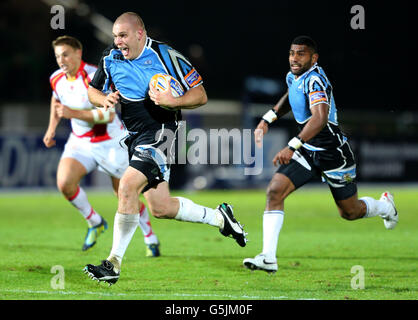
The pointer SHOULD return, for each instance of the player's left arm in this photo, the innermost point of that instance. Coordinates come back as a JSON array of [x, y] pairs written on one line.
[[315, 124], [192, 98], [92, 116]]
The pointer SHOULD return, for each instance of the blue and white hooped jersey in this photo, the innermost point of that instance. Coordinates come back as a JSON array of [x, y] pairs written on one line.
[[132, 77], [307, 91]]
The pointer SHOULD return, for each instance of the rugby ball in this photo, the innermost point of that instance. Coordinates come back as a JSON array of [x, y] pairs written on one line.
[[163, 82]]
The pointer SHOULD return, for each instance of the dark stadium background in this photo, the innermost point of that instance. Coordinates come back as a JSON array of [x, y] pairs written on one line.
[[369, 68], [373, 71]]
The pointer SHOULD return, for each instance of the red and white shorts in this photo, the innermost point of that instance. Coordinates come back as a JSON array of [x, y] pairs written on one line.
[[108, 156]]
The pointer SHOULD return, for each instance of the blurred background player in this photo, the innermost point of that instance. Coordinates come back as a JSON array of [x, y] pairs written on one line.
[[129, 65], [320, 150], [93, 143]]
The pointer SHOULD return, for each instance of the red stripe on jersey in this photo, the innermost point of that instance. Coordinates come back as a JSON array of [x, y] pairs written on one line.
[[55, 79], [98, 133], [83, 73], [86, 78]]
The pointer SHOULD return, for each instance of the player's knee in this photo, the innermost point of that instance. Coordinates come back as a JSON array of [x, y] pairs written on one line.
[[275, 195], [126, 192], [67, 188]]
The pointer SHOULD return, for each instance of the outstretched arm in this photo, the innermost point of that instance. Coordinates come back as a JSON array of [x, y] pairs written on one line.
[[93, 116], [279, 110]]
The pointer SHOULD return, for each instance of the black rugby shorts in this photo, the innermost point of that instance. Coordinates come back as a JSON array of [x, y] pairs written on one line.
[[337, 167], [152, 153]]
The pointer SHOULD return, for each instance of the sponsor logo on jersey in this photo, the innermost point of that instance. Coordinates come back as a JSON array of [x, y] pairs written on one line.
[[193, 78], [118, 57], [317, 96]]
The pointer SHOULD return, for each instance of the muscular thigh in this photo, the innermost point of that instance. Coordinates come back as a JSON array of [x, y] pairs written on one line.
[[70, 171], [132, 181]]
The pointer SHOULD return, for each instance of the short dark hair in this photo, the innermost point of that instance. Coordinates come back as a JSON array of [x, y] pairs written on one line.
[[307, 41], [68, 40]]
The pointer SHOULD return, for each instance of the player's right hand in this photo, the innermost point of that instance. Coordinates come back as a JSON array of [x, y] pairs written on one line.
[[49, 139], [111, 100], [259, 132], [283, 156]]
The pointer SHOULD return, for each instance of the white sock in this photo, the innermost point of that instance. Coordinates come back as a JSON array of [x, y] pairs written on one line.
[[272, 224], [80, 201], [123, 231], [192, 212], [376, 207], [145, 225]]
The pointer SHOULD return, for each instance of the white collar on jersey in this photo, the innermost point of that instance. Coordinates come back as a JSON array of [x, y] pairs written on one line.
[[310, 69]]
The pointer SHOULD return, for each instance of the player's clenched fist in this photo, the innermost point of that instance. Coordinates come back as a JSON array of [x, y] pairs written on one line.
[[49, 139], [111, 100]]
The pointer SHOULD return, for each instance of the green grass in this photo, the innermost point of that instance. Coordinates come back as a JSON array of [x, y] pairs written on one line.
[[316, 251]]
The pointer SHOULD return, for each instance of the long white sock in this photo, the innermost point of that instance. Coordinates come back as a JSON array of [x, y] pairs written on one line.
[[145, 225], [376, 207], [192, 212], [80, 201], [123, 231], [272, 224]]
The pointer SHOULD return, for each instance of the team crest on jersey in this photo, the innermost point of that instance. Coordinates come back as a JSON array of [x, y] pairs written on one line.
[[317, 96], [193, 78], [347, 177]]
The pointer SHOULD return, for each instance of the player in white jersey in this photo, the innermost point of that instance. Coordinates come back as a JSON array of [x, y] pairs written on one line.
[[93, 142]]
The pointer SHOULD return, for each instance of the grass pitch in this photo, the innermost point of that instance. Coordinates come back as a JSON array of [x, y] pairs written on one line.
[[316, 253]]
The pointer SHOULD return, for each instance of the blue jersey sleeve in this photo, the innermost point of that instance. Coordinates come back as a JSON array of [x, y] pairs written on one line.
[[179, 67], [317, 89]]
